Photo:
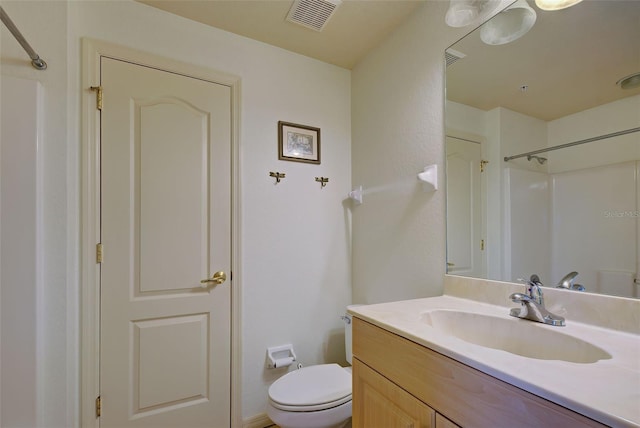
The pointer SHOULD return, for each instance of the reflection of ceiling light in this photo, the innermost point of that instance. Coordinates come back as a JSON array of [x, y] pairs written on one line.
[[466, 12], [509, 25], [556, 4], [629, 82]]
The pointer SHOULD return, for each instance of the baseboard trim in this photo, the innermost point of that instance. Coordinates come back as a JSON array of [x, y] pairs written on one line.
[[257, 421]]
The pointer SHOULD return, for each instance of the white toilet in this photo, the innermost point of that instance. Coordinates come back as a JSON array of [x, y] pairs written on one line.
[[315, 396]]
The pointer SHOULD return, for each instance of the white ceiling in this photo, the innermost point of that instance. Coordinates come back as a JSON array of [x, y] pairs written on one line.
[[355, 28], [570, 60]]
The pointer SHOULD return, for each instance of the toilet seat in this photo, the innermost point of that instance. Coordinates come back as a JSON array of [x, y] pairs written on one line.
[[311, 388]]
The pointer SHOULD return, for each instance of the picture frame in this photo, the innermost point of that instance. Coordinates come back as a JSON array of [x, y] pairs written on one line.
[[298, 143]]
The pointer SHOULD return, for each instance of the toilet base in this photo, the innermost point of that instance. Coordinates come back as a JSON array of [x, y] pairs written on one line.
[[335, 417]]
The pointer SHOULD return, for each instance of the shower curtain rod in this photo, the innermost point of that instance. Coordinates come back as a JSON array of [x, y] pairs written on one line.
[[575, 143], [36, 61]]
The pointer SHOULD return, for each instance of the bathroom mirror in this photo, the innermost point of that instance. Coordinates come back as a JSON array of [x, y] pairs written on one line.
[[548, 212]]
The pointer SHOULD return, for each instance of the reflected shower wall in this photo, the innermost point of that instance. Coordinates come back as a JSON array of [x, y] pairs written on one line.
[[595, 213], [574, 221], [574, 209], [527, 224]]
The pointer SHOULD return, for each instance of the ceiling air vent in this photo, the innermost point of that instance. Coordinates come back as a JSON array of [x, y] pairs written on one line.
[[452, 56], [312, 14]]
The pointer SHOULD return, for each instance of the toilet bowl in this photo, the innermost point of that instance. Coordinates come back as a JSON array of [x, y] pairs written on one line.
[[314, 397]]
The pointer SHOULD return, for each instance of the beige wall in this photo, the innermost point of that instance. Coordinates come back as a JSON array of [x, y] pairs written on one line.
[[295, 262], [397, 128], [295, 237], [382, 123]]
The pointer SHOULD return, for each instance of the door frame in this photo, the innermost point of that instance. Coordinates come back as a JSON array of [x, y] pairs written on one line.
[[92, 51], [482, 141]]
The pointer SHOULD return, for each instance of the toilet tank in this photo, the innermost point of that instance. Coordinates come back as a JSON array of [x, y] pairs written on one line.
[[347, 334]]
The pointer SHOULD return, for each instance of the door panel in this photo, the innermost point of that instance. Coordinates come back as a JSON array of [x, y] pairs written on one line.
[[463, 208], [171, 351], [166, 225], [173, 185]]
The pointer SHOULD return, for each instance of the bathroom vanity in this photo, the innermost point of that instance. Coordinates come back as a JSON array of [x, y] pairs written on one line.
[[410, 371], [401, 382]]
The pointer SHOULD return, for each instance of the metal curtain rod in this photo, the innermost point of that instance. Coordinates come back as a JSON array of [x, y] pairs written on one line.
[[575, 143], [36, 61]]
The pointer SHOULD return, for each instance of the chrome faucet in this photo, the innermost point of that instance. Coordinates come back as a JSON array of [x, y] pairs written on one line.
[[567, 282], [532, 304]]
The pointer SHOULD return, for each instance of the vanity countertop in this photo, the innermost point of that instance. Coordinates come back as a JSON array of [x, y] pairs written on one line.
[[607, 391]]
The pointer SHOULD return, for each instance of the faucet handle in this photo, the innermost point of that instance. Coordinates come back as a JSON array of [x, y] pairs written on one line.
[[534, 288], [536, 280], [520, 298]]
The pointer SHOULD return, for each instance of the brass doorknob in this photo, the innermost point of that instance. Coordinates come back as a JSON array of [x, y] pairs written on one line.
[[217, 279]]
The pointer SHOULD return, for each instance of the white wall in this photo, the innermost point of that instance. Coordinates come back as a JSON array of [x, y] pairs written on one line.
[[607, 118], [19, 245], [44, 25], [599, 206], [527, 225], [295, 256], [461, 118], [397, 122], [595, 196], [295, 237]]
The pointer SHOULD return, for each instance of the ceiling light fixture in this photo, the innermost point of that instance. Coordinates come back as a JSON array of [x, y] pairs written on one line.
[[631, 81], [509, 25], [466, 12], [556, 4]]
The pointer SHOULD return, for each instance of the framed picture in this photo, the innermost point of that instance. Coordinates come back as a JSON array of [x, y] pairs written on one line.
[[298, 143]]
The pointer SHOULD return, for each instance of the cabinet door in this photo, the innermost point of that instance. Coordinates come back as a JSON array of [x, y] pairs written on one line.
[[442, 422], [379, 403]]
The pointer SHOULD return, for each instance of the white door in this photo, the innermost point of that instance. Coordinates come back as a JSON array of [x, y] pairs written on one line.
[[464, 256], [166, 214]]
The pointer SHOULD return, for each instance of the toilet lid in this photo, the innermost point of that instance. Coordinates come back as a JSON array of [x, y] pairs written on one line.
[[312, 386]]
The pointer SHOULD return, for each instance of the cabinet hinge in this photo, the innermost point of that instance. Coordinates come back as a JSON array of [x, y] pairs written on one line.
[[98, 90], [99, 253], [482, 245], [98, 406], [483, 163]]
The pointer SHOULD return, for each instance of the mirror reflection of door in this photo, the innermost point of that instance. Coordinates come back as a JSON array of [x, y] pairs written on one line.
[[464, 219]]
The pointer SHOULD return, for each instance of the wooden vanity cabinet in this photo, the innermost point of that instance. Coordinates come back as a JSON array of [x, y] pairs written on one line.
[[383, 404], [399, 383]]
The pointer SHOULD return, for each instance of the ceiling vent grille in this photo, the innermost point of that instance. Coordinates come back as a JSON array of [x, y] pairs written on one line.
[[452, 56], [312, 14]]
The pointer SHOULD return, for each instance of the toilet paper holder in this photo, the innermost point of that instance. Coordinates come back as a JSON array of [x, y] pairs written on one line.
[[280, 356]]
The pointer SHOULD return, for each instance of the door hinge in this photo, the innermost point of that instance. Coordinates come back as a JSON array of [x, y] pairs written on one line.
[[98, 90], [99, 253], [483, 163], [482, 245], [98, 406]]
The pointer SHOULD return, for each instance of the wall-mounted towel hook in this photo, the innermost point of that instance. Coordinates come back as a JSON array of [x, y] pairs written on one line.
[[277, 176], [322, 180]]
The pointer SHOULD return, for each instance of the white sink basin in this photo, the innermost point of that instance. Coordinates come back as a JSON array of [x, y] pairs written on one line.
[[514, 335]]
